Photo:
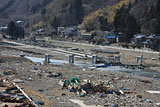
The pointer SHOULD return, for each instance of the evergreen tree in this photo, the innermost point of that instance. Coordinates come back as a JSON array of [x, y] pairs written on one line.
[[157, 26], [119, 19], [131, 27], [104, 25], [125, 23], [158, 8], [20, 32], [55, 22], [43, 11], [11, 31], [15, 31], [79, 11], [76, 10]]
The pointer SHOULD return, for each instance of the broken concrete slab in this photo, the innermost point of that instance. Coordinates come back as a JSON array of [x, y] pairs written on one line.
[[153, 92], [158, 104], [81, 103], [18, 81]]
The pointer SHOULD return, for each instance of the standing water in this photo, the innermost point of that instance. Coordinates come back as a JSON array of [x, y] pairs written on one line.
[[84, 64]]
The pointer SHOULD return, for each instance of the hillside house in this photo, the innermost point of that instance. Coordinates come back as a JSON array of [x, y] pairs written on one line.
[[70, 32], [86, 36], [110, 37], [40, 32], [139, 38], [3, 30], [155, 41], [60, 29], [20, 23], [151, 41]]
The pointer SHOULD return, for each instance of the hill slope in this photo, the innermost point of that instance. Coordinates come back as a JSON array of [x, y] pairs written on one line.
[[72, 12], [31, 9]]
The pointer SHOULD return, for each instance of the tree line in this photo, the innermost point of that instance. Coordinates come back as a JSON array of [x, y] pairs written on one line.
[[71, 14], [126, 23], [15, 31]]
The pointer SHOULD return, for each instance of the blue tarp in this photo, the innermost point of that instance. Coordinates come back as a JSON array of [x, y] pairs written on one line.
[[103, 66], [110, 37]]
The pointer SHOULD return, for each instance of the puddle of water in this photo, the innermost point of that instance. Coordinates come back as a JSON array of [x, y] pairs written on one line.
[[116, 69], [57, 62], [85, 64], [41, 60]]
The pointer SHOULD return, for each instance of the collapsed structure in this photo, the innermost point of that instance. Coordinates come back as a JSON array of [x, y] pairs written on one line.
[[12, 95]]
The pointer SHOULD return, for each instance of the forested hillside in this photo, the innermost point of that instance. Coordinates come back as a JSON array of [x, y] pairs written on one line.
[[68, 12], [127, 16], [93, 14]]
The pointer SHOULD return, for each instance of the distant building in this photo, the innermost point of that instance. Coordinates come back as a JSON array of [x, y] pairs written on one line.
[[139, 38], [120, 37], [86, 36], [40, 32], [110, 36], [70, 32], [60, 29], [111, 39], [153, 41], [20, 23], [3, 30]]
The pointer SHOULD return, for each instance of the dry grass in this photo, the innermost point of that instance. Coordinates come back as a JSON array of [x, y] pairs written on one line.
[[13, 58], [153, 63], [33, 93]]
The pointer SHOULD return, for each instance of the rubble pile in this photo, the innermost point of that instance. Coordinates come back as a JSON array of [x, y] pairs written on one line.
[[104, 92], [88, 87], [10, 95]]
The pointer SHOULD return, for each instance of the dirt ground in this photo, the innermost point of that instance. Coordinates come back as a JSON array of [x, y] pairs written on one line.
[[126, 56], [40, 87]]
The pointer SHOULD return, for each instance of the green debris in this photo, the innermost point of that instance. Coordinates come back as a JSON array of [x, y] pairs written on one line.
[[74, 79], [63, 94], [76, 84], [67, 82], [81, 95]]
